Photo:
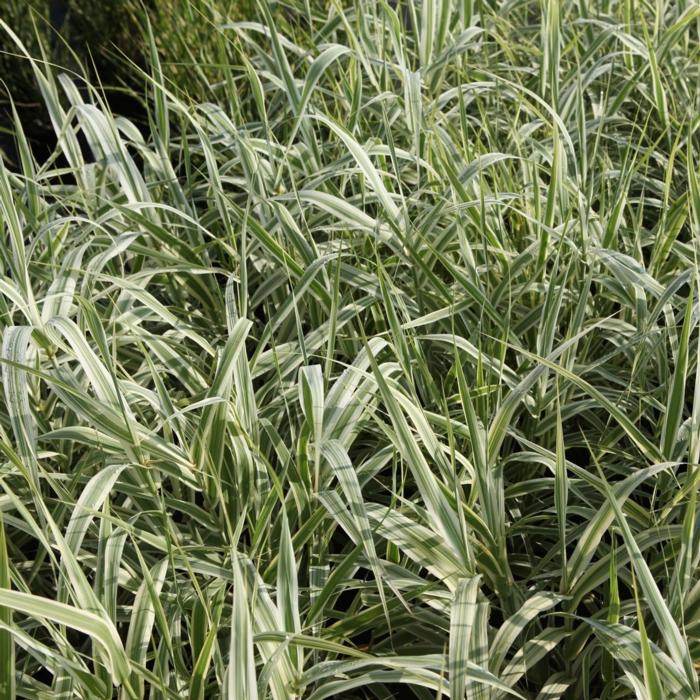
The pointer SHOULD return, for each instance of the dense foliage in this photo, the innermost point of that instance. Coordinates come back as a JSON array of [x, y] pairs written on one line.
[[364, 364]]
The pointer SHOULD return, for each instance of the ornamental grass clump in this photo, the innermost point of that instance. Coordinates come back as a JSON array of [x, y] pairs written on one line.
[[364, 364]]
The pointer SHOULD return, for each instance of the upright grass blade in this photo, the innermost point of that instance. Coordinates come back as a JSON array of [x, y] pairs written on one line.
[[240, 673], [468, 639], [7, 645], [676, 397]]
